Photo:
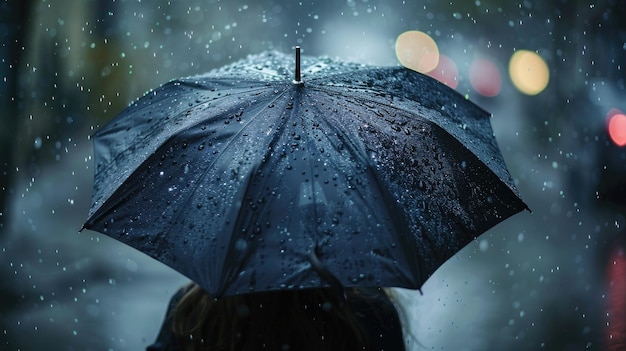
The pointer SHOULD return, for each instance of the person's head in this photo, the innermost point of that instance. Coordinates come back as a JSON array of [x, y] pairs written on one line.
[[313, 319]]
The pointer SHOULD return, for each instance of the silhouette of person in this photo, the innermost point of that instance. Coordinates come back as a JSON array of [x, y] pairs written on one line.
[[308, 319]]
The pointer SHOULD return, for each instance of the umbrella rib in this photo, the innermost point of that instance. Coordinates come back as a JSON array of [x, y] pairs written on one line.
[[353, 149], [209, 166], [324, 273], [152, 132], [334, 91], [357, 152], [460, 144], [349, 76]]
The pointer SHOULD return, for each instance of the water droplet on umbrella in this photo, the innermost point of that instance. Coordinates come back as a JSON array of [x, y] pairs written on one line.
[[241, 245]]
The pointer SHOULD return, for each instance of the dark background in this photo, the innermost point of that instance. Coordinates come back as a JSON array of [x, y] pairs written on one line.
[[546, 280]]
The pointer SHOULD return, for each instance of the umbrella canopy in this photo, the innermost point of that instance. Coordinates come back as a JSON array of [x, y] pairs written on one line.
[[245, 179]]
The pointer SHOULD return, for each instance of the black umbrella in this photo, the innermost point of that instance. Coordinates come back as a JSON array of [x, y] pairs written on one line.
[[244, 179]]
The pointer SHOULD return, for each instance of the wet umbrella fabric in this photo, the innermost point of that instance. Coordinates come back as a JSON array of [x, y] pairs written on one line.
[[244, 179]]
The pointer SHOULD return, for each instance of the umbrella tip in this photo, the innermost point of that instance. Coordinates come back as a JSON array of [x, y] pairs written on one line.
[[298, 78]]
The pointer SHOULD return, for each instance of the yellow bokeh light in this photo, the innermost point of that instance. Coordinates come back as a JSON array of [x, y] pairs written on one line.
[[417, 50], [529, 72]]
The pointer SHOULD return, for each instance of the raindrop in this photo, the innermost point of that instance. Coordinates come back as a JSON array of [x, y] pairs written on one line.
[[241, 245], [421, 185], [483, 245]]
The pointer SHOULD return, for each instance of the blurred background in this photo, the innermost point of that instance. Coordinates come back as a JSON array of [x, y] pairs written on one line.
[[551, 72]]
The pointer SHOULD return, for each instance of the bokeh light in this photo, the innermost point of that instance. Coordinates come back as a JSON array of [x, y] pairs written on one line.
[[616, 124], [417, 50], [446, 72], [616, 290], [529, 72], [485, 77]]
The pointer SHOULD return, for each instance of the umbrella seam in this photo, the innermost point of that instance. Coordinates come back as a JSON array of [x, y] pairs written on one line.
[[390, 70], [358, 153], [509, 183], [154, 131], [228, 145]]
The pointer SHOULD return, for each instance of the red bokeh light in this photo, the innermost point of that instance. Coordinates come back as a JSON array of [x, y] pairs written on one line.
[[485, 77], [446, 72], [616, 309], [616, 125]]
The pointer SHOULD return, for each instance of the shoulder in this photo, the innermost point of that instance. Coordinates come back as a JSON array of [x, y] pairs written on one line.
[[166, 340]]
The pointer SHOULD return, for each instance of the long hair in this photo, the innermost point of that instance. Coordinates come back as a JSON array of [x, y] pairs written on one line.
[[313, 319]]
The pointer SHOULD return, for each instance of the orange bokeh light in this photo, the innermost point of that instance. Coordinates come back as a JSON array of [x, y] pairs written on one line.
[[446, 72], [417, 50]]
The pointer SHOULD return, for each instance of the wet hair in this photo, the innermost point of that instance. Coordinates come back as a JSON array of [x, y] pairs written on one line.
[[313, 319]]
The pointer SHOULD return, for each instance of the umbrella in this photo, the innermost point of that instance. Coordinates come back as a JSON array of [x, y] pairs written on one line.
[[245, 179]]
